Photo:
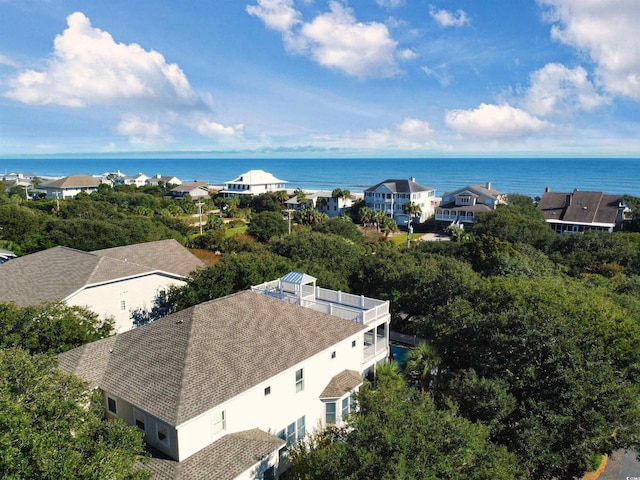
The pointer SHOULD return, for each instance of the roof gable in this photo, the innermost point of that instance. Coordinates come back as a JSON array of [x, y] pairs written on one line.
[[73, 181], [399, 186], [256, 177]]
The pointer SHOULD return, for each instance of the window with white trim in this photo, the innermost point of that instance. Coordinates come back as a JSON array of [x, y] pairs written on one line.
[[300, 428], [345, 407], [330, 413], [139, 419], [219, 422], [112, 405], [123, 305], [162, 433], [299, 380]]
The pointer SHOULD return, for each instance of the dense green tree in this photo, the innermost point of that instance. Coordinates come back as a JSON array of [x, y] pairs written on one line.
[[399, 434], [52, 426], [310, 216], [267, 225], [50, 327], [568, 354], [342, 226], [422, 361]]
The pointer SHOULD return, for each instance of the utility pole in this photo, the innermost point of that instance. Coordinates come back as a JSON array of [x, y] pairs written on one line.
[[200, 215], [289, 212]]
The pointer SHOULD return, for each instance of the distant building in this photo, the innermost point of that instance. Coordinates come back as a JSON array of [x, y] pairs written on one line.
[[193, 189], [221, 390], [322, 201], [579, 211], [253, 182], [461, 206], [165, 179], [391, 195], [69, 187], [139, 180]]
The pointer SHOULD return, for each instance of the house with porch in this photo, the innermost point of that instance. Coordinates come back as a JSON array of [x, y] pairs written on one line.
[[579, 211], [114, 282], [222, 389], [461, 206], [69, 187], [323, 201], [253, 182], [391, 195]]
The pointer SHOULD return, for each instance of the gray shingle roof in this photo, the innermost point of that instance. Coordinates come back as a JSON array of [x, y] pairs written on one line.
[[73, 181], [580, 207], [191, 361], [342, 383], [222, 460], [400, 186], [53, 274]]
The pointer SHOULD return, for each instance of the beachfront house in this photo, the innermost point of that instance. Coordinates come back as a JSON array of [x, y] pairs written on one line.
[[222, 388], [323, 201], [195, 190], [165, 179], [112, 283], [391, 195], [253, 182], [69, 187], [579, 211], [461, 206]]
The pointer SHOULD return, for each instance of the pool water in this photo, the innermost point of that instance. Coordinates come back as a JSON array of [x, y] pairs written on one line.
[[399, 353]]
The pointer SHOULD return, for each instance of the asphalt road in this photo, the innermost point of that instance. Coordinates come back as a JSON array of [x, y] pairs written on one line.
[[622, 465]]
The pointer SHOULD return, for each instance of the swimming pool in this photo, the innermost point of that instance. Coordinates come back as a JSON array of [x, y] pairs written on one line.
[[399, 353]]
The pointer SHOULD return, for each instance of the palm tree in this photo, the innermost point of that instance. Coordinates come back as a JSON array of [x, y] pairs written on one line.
[[378, 217], [366, 216], [421, 361], [301, 196], [411, 209]]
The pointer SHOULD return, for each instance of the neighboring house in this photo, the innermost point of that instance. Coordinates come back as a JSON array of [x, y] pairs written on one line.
[[391, 195], [194, 189], [323, 202], [69, 187], [166, 179], [222, 388], [20, 179], [111, 282], [139, 180], [253, 182], [461, 206], [579, 211]]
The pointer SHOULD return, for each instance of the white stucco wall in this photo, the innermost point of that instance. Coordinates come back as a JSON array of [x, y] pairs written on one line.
[[139, 292]]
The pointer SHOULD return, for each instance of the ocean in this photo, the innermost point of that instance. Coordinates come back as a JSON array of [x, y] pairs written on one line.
[[527, 176]]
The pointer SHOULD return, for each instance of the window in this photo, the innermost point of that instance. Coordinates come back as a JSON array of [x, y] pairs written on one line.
[[219, 422], [345, 407], [112, 405], [291, 434], [299, 380], [300, 427], [353, 343], [267, 391], [162, 433], [139, 419], [330, 413], [123, 305], [269, 473], [333, 354]]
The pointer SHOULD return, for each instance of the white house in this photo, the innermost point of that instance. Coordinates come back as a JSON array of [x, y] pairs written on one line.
[[69, 187], [194, 190], [166, 179], [391, 195], [461, 206], [322, 201], [253, 182], [221, 388], [112, 282], [139, 180]]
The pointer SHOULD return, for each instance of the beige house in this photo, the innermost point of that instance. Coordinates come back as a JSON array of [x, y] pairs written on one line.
[[112, 282], [222, 388], [69, 187], [461, 206]]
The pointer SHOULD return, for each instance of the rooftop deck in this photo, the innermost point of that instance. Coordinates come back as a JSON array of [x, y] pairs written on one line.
[[357, 308]]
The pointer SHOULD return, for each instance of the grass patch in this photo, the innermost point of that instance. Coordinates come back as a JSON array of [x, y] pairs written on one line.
[[235, 230]]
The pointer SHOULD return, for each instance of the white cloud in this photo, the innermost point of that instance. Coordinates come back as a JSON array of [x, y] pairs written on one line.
[[556, 89], [410, 134], [277, 15], [494, 121], [89, 67], [440, 73], [336, 39], [4, 60], [210, 128], [141, 130], [446, 19], [390, 3], [607, 31]]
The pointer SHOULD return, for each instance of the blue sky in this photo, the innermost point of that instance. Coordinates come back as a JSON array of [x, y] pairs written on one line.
[[298, 78]]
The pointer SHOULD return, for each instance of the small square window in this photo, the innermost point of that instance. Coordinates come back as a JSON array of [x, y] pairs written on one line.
[[267, 391], [123, 305], [112, 405], [353, 343], [140, 419], [333, 354], [219, 422], [162, 433]]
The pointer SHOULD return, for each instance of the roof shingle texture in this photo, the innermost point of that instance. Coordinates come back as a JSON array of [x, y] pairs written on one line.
[[400, 186], [191, 361], [342, 383], [73, 181], [224, 459], [53, 274], [580, 207]]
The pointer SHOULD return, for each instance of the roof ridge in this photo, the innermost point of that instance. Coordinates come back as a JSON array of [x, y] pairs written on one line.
[[186, 358]]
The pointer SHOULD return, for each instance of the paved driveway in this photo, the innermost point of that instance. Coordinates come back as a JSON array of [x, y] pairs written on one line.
[[622, 465]]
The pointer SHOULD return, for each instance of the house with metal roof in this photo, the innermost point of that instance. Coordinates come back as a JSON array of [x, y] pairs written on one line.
[[222, 388], [579, 211], [461, 206], [253, 182], [69, 187], [112, 283], [391, 195]]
